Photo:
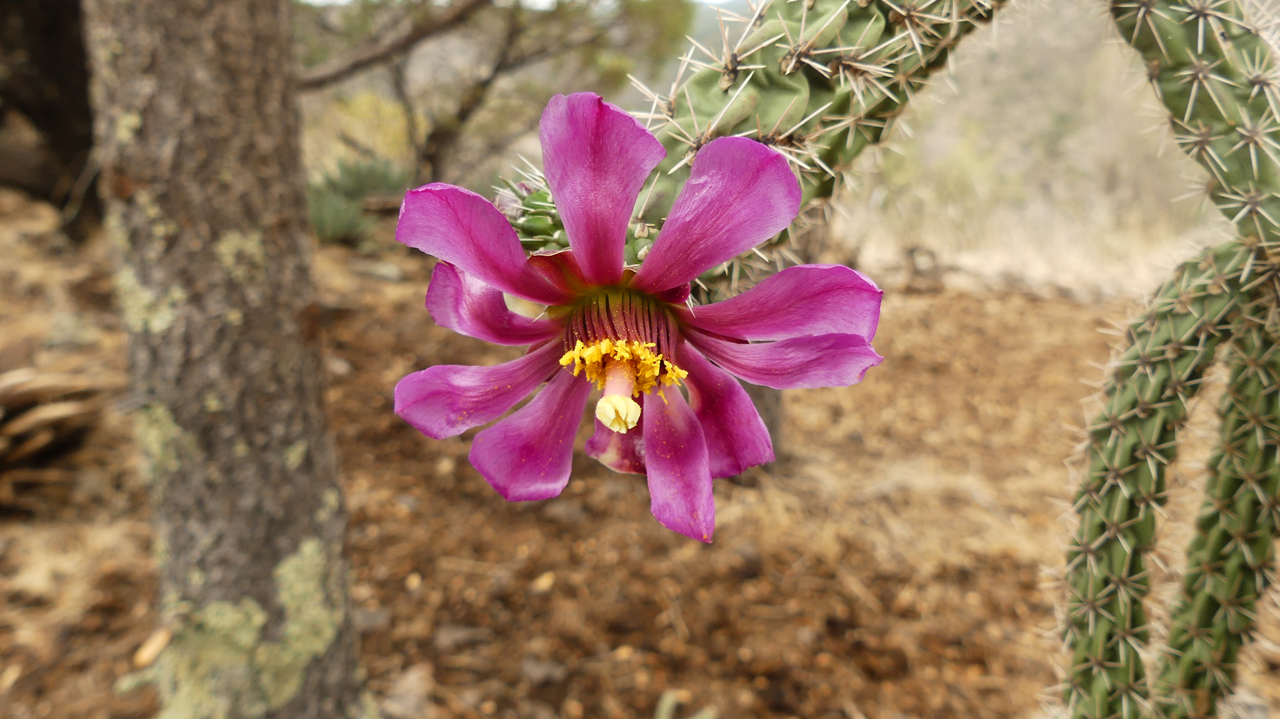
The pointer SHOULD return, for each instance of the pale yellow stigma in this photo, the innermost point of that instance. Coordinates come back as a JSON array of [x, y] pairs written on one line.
[[623, 369], [616, 410], [618, 413]]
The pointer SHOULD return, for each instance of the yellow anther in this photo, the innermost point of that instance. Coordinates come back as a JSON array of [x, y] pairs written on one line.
[[649, 367], [673, 374], [623, 369], [618, 413]]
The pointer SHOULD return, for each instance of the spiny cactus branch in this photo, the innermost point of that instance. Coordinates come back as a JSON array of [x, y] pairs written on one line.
[[1128, 451], [1216, 75], [1229, 563], [820, 81]]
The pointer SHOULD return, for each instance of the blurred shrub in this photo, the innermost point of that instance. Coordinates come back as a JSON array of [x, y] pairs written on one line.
[[357, 180], [335, 218], [337, 202]]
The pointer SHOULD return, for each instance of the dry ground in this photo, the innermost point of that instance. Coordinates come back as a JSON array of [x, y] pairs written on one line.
[[892, 564]]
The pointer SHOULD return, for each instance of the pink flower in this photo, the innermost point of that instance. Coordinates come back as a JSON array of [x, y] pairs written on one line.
[[627, 330]]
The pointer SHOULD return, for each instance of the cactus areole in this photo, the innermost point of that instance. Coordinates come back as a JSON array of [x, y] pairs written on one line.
[[628, 330]]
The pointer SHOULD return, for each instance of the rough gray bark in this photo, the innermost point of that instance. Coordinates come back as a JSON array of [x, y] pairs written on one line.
[[197, 127]]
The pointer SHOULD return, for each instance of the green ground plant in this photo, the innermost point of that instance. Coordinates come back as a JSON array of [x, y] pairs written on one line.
[[336, 202], [336, 219]]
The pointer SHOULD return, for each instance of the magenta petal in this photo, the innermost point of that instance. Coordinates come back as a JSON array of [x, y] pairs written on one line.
[[676, 459], [529, 455], [739, 194], [560, 270], [596, 158], [468, 306], [447, 400], [831, 360], [736, 436], [619, 452], [798, 301], [466, 230]]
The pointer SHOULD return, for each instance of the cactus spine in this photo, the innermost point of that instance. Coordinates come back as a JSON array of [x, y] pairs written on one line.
[[1216, 75], [821, 80]]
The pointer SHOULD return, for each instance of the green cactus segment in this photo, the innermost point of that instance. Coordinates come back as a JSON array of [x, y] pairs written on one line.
[[1229, 562], [1129, 448], [1216, 74], [818, 79]]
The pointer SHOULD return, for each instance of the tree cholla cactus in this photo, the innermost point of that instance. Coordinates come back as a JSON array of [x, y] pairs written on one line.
[[1215, 72]]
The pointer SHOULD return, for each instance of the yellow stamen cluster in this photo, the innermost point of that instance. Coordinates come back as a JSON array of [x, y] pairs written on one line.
[[650, 368]]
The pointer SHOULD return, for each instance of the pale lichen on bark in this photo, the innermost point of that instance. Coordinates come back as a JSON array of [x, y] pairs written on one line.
[[162, 228], [241, 255], [219, 666], [157, 436], [330, 503], [312, 621], [295, 454], [207, 672], [127, 126], [142, 308], [213, 403]]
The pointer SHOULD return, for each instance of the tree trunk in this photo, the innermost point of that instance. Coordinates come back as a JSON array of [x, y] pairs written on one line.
[[197, 128]]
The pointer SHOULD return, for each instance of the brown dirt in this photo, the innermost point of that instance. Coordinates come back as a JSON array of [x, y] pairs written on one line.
[[891, 564]]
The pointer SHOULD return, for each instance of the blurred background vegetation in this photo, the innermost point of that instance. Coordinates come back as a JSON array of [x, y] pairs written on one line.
[[1041, 153]]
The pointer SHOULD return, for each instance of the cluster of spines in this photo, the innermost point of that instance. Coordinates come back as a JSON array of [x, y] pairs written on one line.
[[1216, 75], [1215, 72], [820, 80]]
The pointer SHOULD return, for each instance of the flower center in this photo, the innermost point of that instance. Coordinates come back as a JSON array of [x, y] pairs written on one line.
[[625, 343]]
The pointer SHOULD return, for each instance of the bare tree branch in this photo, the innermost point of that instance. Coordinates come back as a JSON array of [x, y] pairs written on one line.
[[403, 39], [445, 134], [410, 118], [441, 139]]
